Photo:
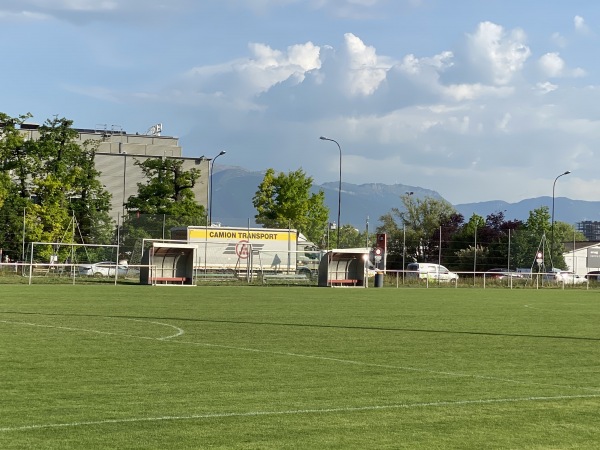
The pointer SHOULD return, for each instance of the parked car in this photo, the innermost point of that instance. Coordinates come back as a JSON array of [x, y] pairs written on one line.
[[431, 271], [594, 275], [104, 269], [501, 274], [571, 278], [564, 276]]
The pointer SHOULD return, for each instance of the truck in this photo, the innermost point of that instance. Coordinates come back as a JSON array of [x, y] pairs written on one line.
[[242, 249]]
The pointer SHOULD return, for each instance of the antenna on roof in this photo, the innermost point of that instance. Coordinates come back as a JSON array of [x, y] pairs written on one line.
[[154, 130]]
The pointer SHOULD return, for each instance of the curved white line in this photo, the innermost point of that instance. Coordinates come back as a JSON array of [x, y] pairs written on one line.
[[297, 411], [180, 331], [108, 333]]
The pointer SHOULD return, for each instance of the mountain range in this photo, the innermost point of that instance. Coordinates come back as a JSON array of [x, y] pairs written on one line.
[[234, 187]]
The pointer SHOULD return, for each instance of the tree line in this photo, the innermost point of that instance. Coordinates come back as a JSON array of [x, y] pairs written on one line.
[[51, 183], [430, 230]]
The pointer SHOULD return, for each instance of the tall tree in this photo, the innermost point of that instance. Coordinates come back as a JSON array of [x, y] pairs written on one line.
[[165, 200], [420, 222], [465, 244], [168, 191], [285, 200], [351, 238], [534, 238], [46, 178]]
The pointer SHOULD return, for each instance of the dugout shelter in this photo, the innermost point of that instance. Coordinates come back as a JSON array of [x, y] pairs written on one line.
[[344, 267], [168, 263]]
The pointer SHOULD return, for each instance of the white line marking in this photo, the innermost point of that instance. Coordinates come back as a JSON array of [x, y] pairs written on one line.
[[325, 358], [108, 333], [390, 366], [180, 332], [297, 411]]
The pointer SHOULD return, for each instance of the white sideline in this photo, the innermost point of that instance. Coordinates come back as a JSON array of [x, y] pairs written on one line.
[[297, 411]]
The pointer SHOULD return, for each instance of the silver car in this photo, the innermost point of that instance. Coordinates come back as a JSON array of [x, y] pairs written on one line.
[[565, 277], [104, 269]]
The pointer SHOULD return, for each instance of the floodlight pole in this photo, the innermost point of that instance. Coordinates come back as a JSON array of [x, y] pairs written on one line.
[[210, 190], [339, 224], [552, 222]]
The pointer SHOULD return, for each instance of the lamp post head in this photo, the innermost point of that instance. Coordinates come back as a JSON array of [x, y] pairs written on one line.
[[323, 138], [567, 172], [222, 152]]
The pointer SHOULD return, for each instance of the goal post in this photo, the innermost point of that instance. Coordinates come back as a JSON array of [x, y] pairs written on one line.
[[60, 258]]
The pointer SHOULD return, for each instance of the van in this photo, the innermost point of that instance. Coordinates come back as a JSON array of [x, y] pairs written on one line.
[[430, 271]]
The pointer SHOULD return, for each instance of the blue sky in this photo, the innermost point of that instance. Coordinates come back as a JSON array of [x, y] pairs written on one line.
[[478, 100]]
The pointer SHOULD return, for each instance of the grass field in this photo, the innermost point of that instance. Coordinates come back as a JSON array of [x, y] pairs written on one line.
[[296, 367]]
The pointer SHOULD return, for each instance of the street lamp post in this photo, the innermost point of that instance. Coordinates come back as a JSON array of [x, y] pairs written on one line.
[[339, 224], [210, 189], [552, 223], [124, 179]]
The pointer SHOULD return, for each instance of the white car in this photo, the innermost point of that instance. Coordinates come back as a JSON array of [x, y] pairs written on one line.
[[570, 278], [431, 271], [104, 269], [563, 276]]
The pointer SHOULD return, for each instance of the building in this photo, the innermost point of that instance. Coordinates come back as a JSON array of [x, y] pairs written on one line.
[[118, 152], [590, 229], [582, 257]]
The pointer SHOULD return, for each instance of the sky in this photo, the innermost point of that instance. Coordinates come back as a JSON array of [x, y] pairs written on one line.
[[476, 99]]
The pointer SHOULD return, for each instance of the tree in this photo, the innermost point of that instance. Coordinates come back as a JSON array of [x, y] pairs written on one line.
[[168, 190], [565, 232], [164, 201], [14, 159], [50, 180], [13, 183], [420, 223], [466, 246], [535, 238], [350, 238], [285, 200]]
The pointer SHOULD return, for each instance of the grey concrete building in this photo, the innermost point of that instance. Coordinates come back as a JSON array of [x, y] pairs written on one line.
[[116, 156]]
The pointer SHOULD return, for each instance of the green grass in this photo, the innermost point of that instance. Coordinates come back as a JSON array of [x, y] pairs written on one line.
[[297, 367]]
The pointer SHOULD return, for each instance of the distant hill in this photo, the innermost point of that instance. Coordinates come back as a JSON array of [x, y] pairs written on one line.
[[234, 187], [565, 209]]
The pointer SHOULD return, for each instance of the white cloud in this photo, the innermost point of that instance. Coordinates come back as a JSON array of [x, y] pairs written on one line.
[[22, 16], [559, 40], [265, 68], [501, 54], [580, 25], [80, 5], [365, 70], [85, 11], [553, 66], [545, 87], [416, 66], [478, 114], [504, 122], [462, 92]]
